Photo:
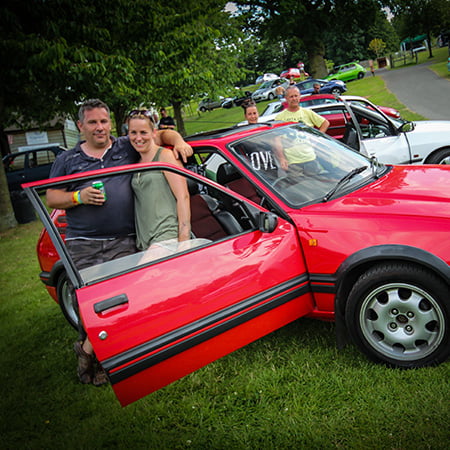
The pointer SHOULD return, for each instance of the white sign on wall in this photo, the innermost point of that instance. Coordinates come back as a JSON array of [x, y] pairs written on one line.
[[36, 137]]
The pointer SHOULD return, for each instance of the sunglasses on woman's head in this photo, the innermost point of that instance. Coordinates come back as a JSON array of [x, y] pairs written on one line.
[[141, 112]]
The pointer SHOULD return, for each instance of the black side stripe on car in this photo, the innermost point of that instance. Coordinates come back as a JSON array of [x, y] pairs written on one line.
[[225, 320], [323, 283]]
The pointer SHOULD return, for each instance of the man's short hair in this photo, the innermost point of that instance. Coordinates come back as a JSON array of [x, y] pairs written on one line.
[[247, 103], [90, 104], [291, 88]]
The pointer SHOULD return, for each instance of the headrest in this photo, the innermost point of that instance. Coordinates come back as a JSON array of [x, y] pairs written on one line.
[[192, 186], [226, 173]]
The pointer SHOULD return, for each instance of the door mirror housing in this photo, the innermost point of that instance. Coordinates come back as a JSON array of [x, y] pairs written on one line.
[[267, 222], [406, 127]]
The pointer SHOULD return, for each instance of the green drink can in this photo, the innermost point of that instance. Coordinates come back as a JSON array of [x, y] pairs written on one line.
[[100, 186]]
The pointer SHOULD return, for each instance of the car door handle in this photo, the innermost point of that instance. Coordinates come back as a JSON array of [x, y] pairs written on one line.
[[110, 303]]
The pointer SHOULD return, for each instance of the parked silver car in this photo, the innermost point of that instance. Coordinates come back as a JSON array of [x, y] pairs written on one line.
[[267, 90], [208, 104]]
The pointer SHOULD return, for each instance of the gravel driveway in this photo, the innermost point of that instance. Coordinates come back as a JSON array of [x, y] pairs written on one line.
[[420, 90]]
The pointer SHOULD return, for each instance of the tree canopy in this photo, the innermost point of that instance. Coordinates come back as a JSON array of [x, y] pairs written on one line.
[[57, 53], [415, 17], [124, 53], [60, 52], [340, 30]]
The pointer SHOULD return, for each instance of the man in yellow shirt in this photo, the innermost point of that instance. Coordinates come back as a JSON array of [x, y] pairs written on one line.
[[295, 113], [301, 155]]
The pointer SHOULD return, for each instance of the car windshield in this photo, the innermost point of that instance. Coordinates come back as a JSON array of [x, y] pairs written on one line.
[[272, 108], [301, 165], [266, 84]]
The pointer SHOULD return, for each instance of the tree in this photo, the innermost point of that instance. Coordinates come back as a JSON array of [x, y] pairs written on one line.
[[288, 19], [383, 29], [361, 22], [414, 17], [198, 53], [7, 219], [377, 46], [57, 52], [336, 28], [61, 52]]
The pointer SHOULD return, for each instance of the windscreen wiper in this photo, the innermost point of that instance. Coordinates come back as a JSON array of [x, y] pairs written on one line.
[[342, 181]]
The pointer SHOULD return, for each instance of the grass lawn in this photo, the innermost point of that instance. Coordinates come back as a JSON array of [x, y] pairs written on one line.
[[290, 390]]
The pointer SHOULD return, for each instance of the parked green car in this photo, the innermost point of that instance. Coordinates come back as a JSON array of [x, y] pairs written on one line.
[[347, 72]]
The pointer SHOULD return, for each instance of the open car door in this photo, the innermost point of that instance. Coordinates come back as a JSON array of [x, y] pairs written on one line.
[[153, 317]]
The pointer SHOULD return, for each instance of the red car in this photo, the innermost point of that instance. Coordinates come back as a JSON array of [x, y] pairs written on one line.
[[355, 241], [293, 73], [320, 99]]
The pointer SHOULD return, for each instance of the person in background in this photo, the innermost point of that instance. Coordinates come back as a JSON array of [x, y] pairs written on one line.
[[250, 111], [316, 89], [95, 232], [300, 156], [162, 207], [279, 91], [295, 113], [166, 121]]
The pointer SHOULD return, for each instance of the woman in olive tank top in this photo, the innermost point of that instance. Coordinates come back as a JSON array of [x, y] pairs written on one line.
[[162, 208]]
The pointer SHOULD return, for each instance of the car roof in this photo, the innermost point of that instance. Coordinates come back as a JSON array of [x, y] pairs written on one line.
[[237, 131], [355, 107], [34, 149], [315, 96], [347, 64]]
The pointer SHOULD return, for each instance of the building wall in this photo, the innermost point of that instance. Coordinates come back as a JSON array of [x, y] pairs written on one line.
[[66, 135]]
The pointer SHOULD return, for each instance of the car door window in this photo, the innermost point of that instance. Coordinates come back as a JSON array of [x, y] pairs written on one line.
[[42, 158], [17, 163], [215, 216], [338, 117], [307, 85], [373, 125]]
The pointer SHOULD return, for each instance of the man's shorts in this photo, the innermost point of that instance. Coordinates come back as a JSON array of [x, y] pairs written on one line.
[[90, 252]]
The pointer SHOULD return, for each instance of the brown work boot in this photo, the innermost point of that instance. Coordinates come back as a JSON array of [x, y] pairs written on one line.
[[85, 368], [100, 376]]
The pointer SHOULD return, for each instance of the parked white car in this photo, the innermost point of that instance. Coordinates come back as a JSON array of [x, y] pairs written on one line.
[[391, 141], [373, 133], [266, 77]]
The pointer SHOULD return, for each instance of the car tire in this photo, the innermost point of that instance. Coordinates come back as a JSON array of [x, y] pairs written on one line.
[[67, 300], [360, 75], [398, 314], [442, 156], [270, 96], [336, 91], [203, 109]]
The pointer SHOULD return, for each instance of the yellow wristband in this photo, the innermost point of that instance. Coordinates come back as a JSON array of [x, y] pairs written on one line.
[[76, 198]]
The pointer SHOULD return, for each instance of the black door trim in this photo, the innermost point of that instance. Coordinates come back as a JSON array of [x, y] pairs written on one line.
[[225, 320]]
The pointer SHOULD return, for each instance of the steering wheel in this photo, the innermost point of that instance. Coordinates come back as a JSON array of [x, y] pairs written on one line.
[[280, 180]]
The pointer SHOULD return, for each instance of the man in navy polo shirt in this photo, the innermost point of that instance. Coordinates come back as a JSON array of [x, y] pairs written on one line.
[[99, 230]]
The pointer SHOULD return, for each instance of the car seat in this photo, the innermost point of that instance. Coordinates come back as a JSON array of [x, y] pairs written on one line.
[[228, 176], [208, 220], [351, 136]]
